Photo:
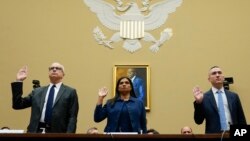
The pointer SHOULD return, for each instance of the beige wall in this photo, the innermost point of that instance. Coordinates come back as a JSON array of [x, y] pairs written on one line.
[[206, 33]]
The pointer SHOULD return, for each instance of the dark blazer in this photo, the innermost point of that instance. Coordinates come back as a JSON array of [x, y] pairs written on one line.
[[208, 110], [139, 88], [136, 110], [65, 109]]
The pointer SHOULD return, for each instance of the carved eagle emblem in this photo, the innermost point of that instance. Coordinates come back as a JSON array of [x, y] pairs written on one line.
[[134, 23]]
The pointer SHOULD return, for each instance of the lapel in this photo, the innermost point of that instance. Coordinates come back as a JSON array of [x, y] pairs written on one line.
[[212, 100], [60, 92], [43, 97]]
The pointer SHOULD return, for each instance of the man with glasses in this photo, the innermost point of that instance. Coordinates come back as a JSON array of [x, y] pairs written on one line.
[[54, 108], [218, 106]]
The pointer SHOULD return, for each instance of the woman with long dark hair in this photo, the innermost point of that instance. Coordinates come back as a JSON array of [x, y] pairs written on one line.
[[124, 112]]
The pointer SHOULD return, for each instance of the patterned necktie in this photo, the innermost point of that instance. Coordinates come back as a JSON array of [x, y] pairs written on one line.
[[48, 112], [221, 109]]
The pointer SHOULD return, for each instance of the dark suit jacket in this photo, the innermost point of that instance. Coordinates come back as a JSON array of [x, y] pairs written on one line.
[[139, 88], [208, 110], [65, 109]]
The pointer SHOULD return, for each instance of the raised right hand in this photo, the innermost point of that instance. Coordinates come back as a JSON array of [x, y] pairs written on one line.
[[22, 74], [103, 92], [198, 94]]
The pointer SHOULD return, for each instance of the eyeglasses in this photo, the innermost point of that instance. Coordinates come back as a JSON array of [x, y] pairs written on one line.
[[56, 68]]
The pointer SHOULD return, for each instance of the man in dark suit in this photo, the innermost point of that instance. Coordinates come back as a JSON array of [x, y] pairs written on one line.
[[206, 105], [138, 84], [64, 107]]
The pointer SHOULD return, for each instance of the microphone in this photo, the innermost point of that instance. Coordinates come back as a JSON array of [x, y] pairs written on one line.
[[222, 135], [224, 131], [229, 125], [140, 132]]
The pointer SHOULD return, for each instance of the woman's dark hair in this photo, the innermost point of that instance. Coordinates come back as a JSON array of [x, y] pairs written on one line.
[[117, 93]]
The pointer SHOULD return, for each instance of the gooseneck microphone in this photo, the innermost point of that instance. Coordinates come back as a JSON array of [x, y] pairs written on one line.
[[224, 131], [222, 135]]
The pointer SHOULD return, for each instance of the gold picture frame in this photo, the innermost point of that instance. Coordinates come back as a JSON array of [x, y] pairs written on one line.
[[141, 81]]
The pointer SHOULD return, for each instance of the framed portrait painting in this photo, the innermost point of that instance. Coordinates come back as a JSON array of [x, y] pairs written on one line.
[[139, 75]]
